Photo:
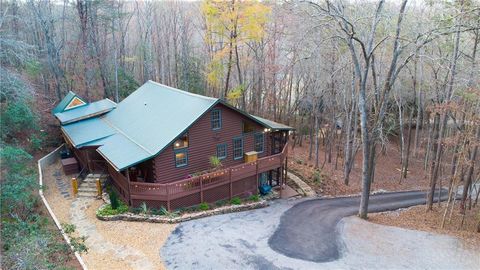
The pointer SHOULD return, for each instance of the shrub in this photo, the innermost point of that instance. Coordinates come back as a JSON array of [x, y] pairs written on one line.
[[108, 210], [317, 177], [165, 212], [114, 201], [68, 228], [36, 142], [144, 209], [203, 206], [254, 198], [14, 158], [215, 162], [235, 200], [17, 117], [221, 203], [78, 243]]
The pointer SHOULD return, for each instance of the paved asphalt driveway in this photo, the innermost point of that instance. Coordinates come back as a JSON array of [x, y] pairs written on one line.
[[307, 231], [311, 234]]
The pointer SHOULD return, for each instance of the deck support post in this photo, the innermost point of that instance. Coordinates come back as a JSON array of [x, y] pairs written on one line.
[[201, 190], [128, 185], [230, 182], [256, 177], [168, 197]]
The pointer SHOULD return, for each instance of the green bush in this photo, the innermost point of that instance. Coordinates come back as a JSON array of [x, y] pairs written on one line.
[[203, 206], [235, 200], [317, 176], [108, 210], [114, 201], [221, 203], [14, 158], [17, 117], [144, 209], [78, 243], [167, 213], [254, 198], [215, 162], [36, 142]]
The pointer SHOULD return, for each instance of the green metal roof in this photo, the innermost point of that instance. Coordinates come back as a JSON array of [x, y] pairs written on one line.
[[84, 132], [145, 123], [272, 125], [86, 111], [64, 102]]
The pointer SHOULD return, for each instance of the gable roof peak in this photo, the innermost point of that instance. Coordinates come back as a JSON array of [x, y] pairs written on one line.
[[181, 91]]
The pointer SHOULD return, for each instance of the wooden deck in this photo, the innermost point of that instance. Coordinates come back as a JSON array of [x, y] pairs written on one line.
[[240, 180]]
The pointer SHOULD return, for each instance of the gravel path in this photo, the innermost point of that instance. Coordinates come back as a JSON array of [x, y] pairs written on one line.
[[98, 244], [112, 245], [240, 241]]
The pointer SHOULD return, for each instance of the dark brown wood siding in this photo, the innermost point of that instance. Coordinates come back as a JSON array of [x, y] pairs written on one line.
[[203, 143]]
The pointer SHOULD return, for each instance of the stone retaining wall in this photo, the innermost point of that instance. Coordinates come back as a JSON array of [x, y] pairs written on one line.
[[185, 217]]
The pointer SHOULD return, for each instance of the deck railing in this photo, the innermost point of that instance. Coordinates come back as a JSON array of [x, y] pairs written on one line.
[[196, 186]]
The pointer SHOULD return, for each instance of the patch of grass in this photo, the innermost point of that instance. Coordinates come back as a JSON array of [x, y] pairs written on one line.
[[236, 201], [108, 210], [254, 198], [203, 206]]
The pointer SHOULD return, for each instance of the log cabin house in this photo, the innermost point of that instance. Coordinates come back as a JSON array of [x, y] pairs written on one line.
[[157, 144]]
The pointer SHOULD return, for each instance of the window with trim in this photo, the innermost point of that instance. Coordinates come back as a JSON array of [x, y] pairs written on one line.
[[248, 127], [259, 142], [181, 142], [216, 119], [181, 158], [237, 148], [222, 151]]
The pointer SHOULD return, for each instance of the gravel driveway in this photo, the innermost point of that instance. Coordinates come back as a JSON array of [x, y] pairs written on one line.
[[241, 241]]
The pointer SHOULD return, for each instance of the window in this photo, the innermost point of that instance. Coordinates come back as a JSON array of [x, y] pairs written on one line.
[[222, 151], [248, 127], [181, 142], [237, 148], [216, 119], [181, 158], [259, 142]]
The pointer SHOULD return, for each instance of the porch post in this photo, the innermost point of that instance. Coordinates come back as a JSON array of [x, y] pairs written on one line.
[[128, 185], [88, 160], [201, 189], [230, 181], [256, 176], [168, 197]]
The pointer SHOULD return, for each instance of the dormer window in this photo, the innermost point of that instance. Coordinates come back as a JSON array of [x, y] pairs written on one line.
[[181, 142], [216, 119]]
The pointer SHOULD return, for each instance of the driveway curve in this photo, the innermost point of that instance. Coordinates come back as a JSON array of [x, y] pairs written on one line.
[[308, 230], [252, 239]]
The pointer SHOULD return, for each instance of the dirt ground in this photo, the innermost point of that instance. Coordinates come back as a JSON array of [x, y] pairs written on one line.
[[416, 218], [387, 172], [386, 178], [141, 238]]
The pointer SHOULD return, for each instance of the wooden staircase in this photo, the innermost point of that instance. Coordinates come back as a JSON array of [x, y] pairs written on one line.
[[88, 187]]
